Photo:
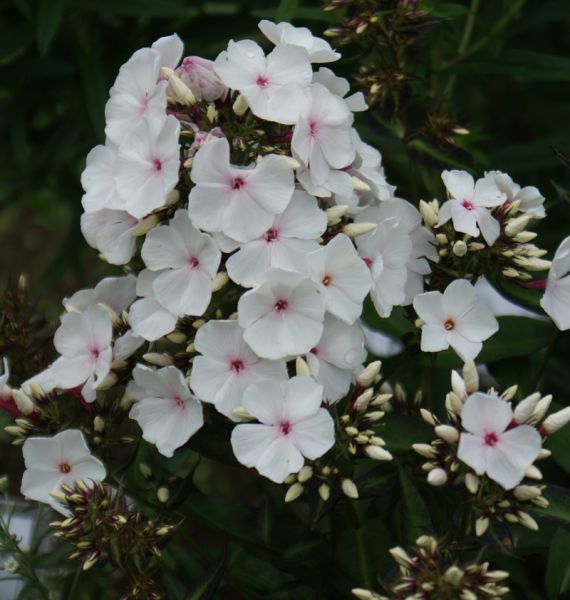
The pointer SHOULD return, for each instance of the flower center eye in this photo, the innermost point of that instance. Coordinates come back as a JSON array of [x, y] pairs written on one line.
[[237, 366], [193, 262], [449, 324], [491, 438], [157, 164], [467, 204], [281, 305], [179, 402], [315, 351], [65, 468], [237, 183], [262, 81], [327, 279], [271, 235], [94, 352], [285, 427], [313, 128], [367, 261]]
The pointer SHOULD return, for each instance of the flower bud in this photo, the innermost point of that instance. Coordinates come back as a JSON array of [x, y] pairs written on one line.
[[240, 105], [349, 489], [556, 420], [481, 526], [301, 367], [541, 408], [335, 213], [437, 477], [471, 377], [220, 280], [472, 483], [447, 433], [145, 225], [527, 521], [525, 408], [361, 403], [163, 494], [362, 594], [458, 385], [98, 424], [367, 375], [177, 90], [453, 575], [527, 492], [428, 417], [453, 403], [401, 556], [23, 402], [533, 473], [428, 214], [324, 492], [517, 225], [510, 393], [294, 492], [145, 470], [377, 453], [459, 248], [159, 359], [353, 230], [359, 185], [305, 474], [425, 450]]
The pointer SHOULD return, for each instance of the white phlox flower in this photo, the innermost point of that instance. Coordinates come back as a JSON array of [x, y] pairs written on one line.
[[556, 298], [492, 445], [318, 49], [226, 366], [4, 377], [292, 426], [84, 342], [165, 409], [147, 166], [147, 317], [322, 136], [387, 252], [336, 357], [454, 318], [340, 87], [111, 233], [531, 200], [283, 316], [187, 261], [54, 461], [469, 203], [118, 293], [343, 277], [275, 86], [138, 96], [284, 245], [98, 179], [240, 202]]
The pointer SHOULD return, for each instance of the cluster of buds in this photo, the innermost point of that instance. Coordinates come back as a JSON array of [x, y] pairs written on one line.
[[368, 24], [102, 528], [430, 572]]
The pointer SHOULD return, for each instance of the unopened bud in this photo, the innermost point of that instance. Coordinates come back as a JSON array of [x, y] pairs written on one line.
[[471, 377], [145, 470], [428, 214], [428, 417], [441, 239], [510, 392], [335, 213], [453, 575], [98, 424], [459, 248], [447, 433], [367, 376], [163, 494], [305, 474], [145, 225], [362, 594], [516, 225], [177, 89], [23, 402], [525, 408], [425, 450], [527, 492], [437, 477], [240, 105], [481, 526], [524, 237], [377, 453], [363, 400], [541, 408], [359, 185], [241, 413], [324, 492], [533, 472], [301, 367], [353, 230], [349, 489], [219, 281], [527, 521], [458, 384], [159, 359], [453, 403], [472, 483], [401, 556], [556, 420], [294, 492]]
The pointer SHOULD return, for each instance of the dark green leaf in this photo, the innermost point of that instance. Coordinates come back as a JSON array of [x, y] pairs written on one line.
[[206, 588], [48, 22], [558, 566], [286, 10]]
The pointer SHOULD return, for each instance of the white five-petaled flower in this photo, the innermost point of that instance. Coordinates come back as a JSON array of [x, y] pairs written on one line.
[[110, 232], [115, 292], [338, 355], [239, 202], [292, 427], [531, 200], [319, 50], [275, 86], [147, 317], [469, 203], [54, 461], [226, 366], [283, 316], [84, 342], [137, 96], [340, 87], [187, 261], [387, 252], [322, 138], [98, 179], [492, 445], [343, 277], [556, 299], [454, 318], [285, 243], [147, 166], [167, 412]]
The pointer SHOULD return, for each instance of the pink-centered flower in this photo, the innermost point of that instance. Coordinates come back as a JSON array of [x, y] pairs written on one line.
[[187, 261], [84, 342], [239, 202], [165, 409], [292, 426], [283, 316], [111, 233], [275, 85], [284, 245], [469, 203], [492, 445], [530, 199], [226, 366], [455, 318], [53, 461]]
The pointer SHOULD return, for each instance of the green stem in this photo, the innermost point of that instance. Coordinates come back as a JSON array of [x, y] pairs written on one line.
[[71, 594]]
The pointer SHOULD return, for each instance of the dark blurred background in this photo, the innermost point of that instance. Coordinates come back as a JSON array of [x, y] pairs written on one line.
[[58, 59]]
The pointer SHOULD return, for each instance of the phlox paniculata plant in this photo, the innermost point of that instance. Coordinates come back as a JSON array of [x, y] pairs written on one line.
[[261, 244]]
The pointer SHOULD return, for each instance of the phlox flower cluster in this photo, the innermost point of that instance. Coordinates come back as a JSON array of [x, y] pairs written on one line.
[[255, 226]]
